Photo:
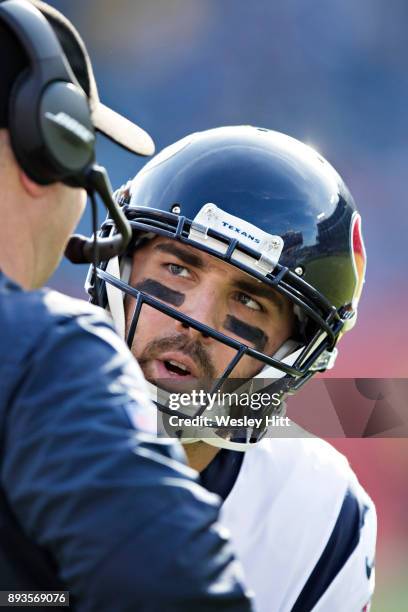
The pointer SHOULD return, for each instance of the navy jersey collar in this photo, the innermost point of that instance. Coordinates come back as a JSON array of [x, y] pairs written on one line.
[[221, 474]]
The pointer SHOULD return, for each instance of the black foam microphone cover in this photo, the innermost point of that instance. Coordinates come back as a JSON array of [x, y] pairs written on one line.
[[81, 249]]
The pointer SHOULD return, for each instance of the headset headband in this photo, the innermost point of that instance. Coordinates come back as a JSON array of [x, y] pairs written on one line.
[[38, 40], [51, 128]]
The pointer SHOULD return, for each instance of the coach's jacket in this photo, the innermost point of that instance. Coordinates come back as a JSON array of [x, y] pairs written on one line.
[[90, 502]]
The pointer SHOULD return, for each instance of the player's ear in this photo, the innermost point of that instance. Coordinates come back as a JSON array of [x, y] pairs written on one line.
[[30, 187]]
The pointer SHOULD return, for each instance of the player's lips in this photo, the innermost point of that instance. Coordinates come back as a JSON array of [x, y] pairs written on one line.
[[175, 365]]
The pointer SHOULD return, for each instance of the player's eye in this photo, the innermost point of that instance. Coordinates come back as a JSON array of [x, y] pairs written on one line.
[[177, 270], [247, 301]]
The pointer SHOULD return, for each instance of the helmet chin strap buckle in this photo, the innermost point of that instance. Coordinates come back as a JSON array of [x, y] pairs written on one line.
[[325, 361]]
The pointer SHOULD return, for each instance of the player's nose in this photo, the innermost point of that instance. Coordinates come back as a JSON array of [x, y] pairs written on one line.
[[203, 307]]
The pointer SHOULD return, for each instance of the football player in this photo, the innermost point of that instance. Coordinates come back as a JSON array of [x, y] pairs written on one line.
[[247, 262]]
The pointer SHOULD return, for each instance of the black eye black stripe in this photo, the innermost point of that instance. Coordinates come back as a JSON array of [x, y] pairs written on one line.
[[161, 292], [252, 334]]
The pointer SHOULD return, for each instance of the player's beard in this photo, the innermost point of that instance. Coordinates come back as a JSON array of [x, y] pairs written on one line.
[[191, 348]]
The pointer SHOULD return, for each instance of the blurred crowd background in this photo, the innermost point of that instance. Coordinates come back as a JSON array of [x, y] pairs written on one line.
[[331, 73]]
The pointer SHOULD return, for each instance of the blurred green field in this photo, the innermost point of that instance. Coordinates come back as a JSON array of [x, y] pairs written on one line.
[[391, 593], [391, 599]]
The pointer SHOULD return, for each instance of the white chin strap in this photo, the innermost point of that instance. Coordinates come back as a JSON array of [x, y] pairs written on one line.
[[116, 296]]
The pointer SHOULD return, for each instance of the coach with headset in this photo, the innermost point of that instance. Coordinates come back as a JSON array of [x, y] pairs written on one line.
[[90, 501]]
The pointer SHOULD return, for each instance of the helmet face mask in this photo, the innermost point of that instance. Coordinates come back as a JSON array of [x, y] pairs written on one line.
[[273, 209]]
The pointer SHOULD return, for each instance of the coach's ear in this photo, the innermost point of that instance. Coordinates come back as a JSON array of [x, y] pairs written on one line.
[[30, 187]]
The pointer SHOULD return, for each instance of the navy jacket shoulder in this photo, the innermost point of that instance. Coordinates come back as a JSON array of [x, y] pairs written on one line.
[[89, 498]]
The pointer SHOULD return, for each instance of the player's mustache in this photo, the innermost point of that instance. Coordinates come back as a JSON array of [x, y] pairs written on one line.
[[193, 348]]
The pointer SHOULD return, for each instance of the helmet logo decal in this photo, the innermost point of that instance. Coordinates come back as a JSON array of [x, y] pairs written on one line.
[[211, 217], [71, 126], [359, 257], [241, 232]]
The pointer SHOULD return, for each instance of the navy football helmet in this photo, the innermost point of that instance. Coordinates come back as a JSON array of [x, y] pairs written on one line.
[[268, 205]]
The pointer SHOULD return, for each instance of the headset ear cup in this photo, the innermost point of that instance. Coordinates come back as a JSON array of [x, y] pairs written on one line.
[[52, 135], [17, 138], [25, 129], [67, 131]]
